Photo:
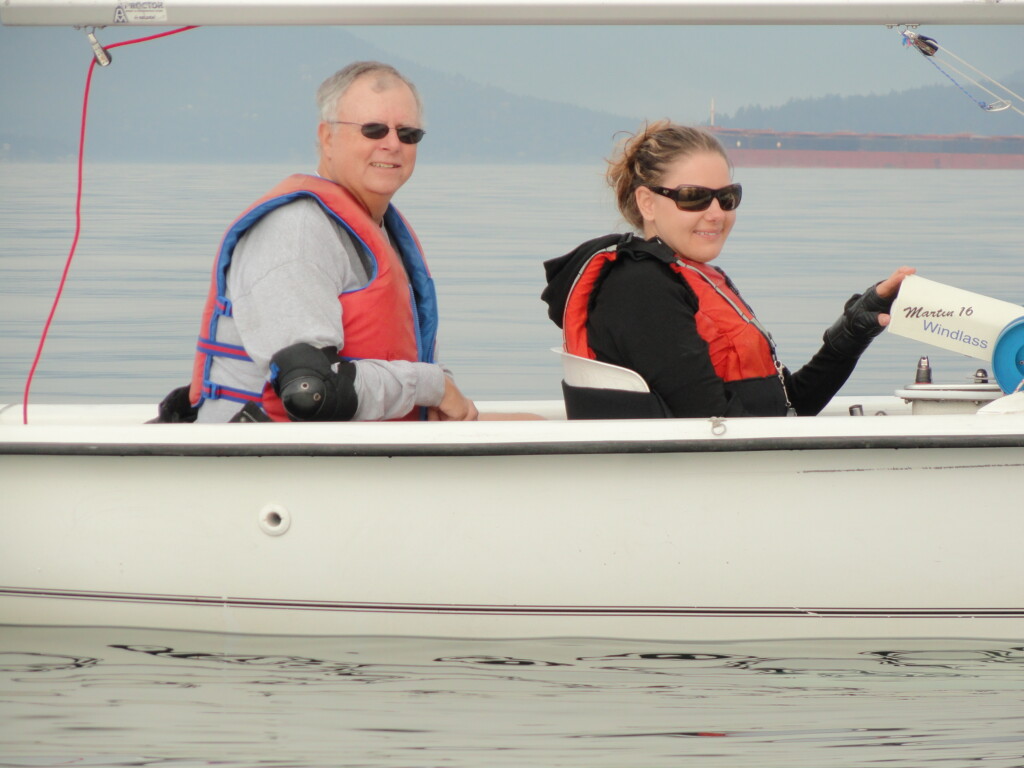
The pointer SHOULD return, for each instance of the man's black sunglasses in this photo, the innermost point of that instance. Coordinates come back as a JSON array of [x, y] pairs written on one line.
[[406, 134], [689, 198]]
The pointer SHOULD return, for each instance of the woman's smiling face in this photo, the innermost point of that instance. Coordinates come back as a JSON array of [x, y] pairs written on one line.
[[695, 235]]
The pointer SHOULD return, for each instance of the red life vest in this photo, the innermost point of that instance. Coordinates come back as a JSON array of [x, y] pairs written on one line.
[[393, 317], [738, 346]]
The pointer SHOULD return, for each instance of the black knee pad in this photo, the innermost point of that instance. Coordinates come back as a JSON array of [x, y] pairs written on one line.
[[314, 384]]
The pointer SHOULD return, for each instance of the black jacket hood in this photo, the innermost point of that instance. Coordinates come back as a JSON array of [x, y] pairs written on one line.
[[561, 272]]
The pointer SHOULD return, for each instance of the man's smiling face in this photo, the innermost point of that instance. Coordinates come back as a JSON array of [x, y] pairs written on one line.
[[371, 169]]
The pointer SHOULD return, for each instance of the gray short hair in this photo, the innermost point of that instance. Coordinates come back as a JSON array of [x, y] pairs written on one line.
[[333, 88]]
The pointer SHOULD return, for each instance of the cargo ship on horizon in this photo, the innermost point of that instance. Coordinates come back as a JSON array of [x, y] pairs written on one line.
[[755, 148]]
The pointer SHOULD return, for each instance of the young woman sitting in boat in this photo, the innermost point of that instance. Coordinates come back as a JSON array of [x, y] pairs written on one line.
[[652, 302]]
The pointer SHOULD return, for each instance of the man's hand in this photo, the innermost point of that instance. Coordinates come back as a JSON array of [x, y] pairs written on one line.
[[454, 406]]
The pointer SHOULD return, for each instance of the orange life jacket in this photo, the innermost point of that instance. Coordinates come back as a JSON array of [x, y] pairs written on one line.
[[393, 317], [739, 346]]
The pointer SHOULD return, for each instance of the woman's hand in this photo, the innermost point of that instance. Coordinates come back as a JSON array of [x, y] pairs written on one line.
[[889, 287], [865, 316]]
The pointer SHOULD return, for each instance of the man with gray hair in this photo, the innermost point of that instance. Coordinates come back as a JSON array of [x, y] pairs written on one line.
[[322, 307]]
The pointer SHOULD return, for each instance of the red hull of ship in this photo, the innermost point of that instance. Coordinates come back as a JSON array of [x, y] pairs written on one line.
[[758, 148], [810, 158]]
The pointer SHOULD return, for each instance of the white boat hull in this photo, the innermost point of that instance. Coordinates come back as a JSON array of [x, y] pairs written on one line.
[[903, 526]]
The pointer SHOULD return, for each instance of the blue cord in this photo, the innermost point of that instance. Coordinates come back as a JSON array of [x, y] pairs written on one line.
[[981, 104], [928, 56]]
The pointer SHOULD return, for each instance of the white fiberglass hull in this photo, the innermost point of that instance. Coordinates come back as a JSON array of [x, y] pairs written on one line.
[[673, 529]]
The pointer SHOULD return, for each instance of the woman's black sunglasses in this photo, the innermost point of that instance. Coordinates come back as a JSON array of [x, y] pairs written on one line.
[[375, 131], [699, 198]]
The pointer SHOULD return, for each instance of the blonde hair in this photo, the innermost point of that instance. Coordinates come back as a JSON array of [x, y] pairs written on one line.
[[642, 159]]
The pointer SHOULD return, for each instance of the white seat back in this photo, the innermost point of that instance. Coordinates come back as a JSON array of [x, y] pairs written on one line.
[[583, 372]]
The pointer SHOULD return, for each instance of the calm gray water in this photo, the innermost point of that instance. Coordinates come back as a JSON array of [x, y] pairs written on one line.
[[804, 241], [120, 697]]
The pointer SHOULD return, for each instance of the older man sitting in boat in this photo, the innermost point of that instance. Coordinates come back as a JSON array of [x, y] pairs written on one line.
[[322, 307]]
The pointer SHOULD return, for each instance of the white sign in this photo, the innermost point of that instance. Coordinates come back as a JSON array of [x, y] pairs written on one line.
[[140, 12], [950, 318]]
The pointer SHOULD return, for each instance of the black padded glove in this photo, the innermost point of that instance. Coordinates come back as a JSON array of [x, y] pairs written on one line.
[[851, 334]]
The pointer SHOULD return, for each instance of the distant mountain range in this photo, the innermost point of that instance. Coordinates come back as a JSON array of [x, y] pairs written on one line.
[[939, 109], [180, 101]]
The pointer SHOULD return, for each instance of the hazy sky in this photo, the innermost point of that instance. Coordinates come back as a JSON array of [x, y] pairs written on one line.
[[649, 71], [639, 70]]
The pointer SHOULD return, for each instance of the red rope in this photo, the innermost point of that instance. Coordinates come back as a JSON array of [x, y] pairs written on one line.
[[78, 212]]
